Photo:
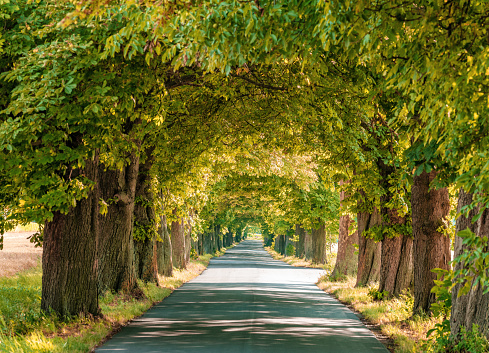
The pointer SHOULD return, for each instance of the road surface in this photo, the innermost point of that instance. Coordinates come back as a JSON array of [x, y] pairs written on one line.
[[247, 302]]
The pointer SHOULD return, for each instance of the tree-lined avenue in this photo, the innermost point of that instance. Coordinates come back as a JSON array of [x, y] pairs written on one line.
[[247, 302]]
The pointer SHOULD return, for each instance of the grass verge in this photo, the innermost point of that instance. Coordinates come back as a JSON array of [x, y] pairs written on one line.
[[24, 329], [401, 332]]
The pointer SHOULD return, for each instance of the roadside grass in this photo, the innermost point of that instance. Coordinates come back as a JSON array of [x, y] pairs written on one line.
[[299, 262], [393, 316], [24, 329]]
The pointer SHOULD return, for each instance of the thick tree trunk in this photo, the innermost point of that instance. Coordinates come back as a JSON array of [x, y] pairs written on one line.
[[308, 245], [469, 309], [346, 259], [116, 263], [69, 261], [145, 260], [396, 270], [145, 253], [178, 243], [431, 247], [188, 239], [164, 250], [369, 251], [300, 234], [318, 238]]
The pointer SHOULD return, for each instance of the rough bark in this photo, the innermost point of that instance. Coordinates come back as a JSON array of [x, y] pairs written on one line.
[[116, 261], [469, 309], [308, 245], [300, 234], [346, 259], [145, 252], [396, 270], [369, 251], [69, 261], [431, 247], [188, 238], [164, 250], [318, 237], [178, 242]]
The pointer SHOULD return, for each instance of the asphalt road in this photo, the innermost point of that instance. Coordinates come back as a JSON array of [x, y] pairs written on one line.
[[247, 302]]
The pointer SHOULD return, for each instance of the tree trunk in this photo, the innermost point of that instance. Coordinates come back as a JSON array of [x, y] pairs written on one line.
[[431, 247], [178, 242], [217, 238], [116, 264], [369, 251], [346, 259], [300, 234], [188, 239], [396, 270], [164, 250], [318, 237], [471, 308], [308, 245], [239, 235], [69, 259], [144, 230]]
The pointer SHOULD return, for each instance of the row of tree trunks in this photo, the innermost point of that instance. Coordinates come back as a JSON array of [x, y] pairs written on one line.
[[469, 309], [431, 247], [228, 239], [346, 259], [280, 244], [178, 242], [369, 251], [188, 238], [164, 250]]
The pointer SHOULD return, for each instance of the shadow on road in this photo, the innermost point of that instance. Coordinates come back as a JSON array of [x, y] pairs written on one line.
[[247, 302]]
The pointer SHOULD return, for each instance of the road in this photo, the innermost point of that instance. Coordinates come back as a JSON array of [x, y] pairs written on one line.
[[247, 302]]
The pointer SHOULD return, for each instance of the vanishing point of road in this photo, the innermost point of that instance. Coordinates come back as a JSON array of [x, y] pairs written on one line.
[[247, 302]]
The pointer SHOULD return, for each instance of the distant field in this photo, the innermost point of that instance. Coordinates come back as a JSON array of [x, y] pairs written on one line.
[[18, 253]]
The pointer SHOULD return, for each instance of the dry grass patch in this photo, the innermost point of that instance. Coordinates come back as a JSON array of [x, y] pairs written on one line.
[[18, 253], [393, 317]]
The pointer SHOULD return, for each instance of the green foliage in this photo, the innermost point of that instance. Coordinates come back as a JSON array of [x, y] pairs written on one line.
[[440, 334], [475, 262], [380, 232], [143, 231], [290, 250], [377, 295], [468, 341]]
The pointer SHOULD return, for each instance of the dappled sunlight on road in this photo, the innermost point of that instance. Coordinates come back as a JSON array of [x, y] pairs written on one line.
[[247, 302]]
